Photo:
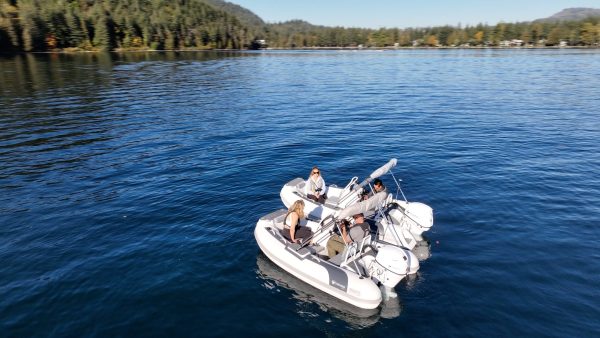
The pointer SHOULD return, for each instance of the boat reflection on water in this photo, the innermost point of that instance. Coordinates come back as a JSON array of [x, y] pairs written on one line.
[[275, 277]]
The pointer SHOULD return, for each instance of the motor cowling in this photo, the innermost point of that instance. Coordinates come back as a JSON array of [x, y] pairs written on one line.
[[414, 216], [392, 264], [397, 234]]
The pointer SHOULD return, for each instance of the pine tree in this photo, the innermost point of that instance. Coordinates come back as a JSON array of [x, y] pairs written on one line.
[[101, 34], [76, 33]]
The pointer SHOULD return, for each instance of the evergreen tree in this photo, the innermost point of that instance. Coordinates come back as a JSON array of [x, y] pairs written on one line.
[[76, 32], [35, 25], [101, 34]]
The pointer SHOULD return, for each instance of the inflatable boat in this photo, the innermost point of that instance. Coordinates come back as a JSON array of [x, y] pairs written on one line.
[[403, 223], [363, 274]]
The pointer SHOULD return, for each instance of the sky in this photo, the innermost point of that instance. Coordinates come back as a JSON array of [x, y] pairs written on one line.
[[408, 13]]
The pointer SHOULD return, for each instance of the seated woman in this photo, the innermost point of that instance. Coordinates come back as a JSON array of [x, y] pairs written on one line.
[[291, 224], [315, 188]]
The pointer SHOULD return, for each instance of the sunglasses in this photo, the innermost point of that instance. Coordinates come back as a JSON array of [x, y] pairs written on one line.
[[315, 172]]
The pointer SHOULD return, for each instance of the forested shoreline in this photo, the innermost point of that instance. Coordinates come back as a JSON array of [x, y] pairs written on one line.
[[88, 25]]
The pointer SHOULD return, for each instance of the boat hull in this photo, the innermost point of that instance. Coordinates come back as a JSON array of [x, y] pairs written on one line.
[[339, 282]]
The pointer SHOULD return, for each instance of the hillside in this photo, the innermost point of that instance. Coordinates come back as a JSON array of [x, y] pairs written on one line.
[[31, 25], [245, 16], [572, 14], [71, 25]]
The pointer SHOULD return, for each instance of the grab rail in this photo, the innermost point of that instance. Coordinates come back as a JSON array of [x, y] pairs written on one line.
[[353, 251], [347, 192], [324, 224]]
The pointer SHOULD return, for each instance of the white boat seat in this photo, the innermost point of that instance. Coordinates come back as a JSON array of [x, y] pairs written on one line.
[[332, 201], [300, 187], [275, 215]]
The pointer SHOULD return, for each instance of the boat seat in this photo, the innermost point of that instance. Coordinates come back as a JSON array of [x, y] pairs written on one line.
[[300, 187], [349, 250], [275, 215], [302, 251], [337, 259], [286, 232], [352, 251], [332, 201]]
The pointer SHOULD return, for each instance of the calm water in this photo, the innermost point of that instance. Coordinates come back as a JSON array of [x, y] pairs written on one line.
[[130, 186]]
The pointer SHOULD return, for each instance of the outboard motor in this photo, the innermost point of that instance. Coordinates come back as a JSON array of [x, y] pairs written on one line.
[[391, 265], [396, 233], [415, 217]]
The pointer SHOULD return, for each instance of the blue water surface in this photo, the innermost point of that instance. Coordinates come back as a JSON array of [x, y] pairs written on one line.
[[130, 185]]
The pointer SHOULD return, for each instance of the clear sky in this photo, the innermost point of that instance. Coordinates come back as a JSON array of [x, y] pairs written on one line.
[[408, 13]]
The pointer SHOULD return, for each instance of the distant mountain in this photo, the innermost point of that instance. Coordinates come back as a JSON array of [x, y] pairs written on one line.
[[296, 25], [245, 16], [572, 14]]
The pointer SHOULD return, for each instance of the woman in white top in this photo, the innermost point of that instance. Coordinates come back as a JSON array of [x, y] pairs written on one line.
[[315, 188], [291, 224]]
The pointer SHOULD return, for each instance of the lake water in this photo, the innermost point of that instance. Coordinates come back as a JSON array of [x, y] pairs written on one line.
[[130, 186]]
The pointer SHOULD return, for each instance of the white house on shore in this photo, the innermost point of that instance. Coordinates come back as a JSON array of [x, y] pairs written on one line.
[[511, 43]]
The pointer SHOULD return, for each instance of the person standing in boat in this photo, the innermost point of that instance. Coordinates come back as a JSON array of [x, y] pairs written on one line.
[[355, 233], [291, 224], [315, 188]]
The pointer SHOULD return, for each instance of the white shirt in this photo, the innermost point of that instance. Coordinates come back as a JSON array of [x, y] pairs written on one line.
[[311, 186]]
